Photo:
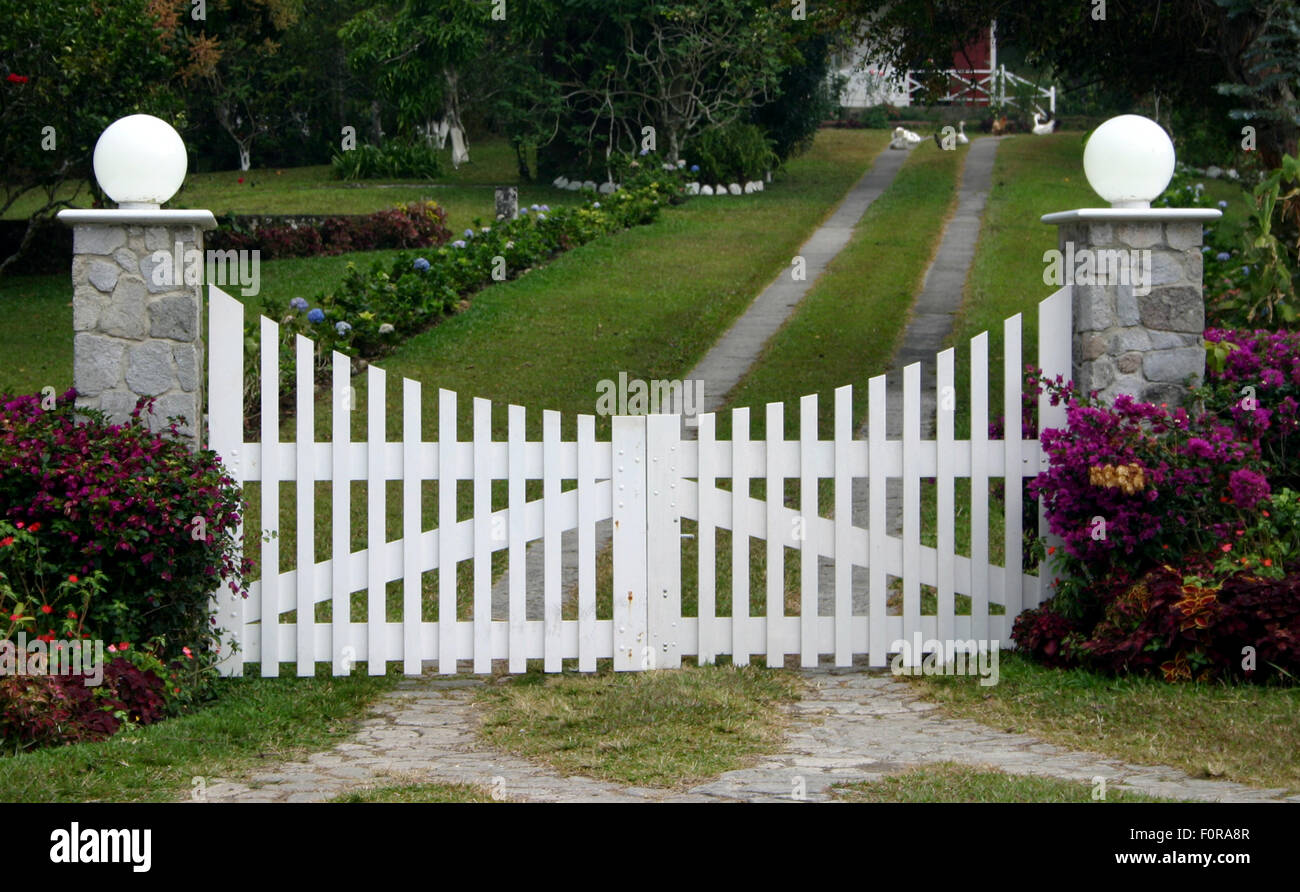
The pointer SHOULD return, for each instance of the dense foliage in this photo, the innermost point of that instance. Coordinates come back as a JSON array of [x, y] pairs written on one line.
[[391, 161], [417, 225], [118, 524]]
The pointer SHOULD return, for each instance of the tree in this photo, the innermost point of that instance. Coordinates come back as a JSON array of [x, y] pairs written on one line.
[[235, 66], [68, 69], [416, 52]]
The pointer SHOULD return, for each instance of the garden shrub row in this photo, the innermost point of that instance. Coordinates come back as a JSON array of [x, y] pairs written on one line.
[[371, 311], [416, 225], [394, 160]]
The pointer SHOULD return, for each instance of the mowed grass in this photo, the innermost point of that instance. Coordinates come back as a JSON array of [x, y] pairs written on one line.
[[431, 792], [465, 193], [672, 728], [954, 782], [256, 723], [1244, 733]]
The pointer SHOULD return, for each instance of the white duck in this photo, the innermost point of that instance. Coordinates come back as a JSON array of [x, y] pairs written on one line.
[[1042, 128], [899, 140], [962, 138]]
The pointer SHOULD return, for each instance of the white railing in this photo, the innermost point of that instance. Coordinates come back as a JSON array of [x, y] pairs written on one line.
[[986, 85], [646, 479]]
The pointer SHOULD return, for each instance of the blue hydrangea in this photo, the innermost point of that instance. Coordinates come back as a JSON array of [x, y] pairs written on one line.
[[469, 233], [459, 243], [1222, 255], [545, 207], [523, 211], [342, 328], [695, 168], [316, 315], [595, 204], [1206, 249], [541, 216], [535, 207], [298, 303], [1223, 204], [1245, 270], [421, 264]]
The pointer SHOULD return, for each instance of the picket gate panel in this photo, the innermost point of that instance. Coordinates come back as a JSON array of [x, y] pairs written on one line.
[[645, 480]]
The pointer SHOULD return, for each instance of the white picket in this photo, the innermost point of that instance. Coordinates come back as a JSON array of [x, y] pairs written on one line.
[[516, 530], [226, 438], [911, 507], [1012, 499], [270, 521], [447, 478], [304, 448], [1055, 334], [878, 644], [551, 545], [979, 486], [945, 504], [664, 539], [809, 531], [706, 541], [843, 526], [411, 523], [631, 642], [482, 468], [587, 512], [343, 653], [740, 471], [376, 520], [775, 548]]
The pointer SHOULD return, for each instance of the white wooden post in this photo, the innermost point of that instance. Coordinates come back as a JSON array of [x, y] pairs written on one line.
[[664, 539], [226, 435], [1055, 334], [631, 646]]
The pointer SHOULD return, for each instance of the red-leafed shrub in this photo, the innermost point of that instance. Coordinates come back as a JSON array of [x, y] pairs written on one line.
[[418, 225]]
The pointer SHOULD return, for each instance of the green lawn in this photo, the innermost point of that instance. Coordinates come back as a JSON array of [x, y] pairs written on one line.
[[673, 728], [953, 782], [1244, 733], [254, 724], [465, 193]]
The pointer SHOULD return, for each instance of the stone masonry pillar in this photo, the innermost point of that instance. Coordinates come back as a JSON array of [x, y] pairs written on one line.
[[1139, 309], [137, 278]]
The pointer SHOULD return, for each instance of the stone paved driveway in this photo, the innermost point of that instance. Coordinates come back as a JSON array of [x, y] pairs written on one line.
[[850, 725]]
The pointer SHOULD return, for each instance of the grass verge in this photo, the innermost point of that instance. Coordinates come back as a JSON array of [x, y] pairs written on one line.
[[672, 728], [418, 793], [1248, 734], [255, 722], [953, 782]]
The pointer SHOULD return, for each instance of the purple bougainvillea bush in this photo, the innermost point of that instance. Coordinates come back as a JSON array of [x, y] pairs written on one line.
[[1180, 527], [149, 524]]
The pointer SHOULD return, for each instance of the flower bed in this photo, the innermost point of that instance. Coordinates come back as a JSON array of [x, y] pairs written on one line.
[[372, 311], [108, 533], [1180, 531]]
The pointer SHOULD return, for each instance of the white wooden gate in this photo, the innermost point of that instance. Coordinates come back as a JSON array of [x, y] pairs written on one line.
[[646, 479]]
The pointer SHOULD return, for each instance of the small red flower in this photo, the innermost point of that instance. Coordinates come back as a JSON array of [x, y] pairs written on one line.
[[73, 578], [14, 617], [19, 524], [17, 78], [1265, 513], [123, 646], [1226, 547], [6, 541], [1051, 549], [72, 614], [34, 528], [1267, 562], [241, 179], [176, 690], [46, 609]]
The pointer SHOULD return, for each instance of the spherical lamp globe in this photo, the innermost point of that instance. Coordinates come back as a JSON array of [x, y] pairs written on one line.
[[1129, 160], [140, 161]]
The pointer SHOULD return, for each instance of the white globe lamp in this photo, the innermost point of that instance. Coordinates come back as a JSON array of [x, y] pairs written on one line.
[[1129, 160], [140, 161]]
